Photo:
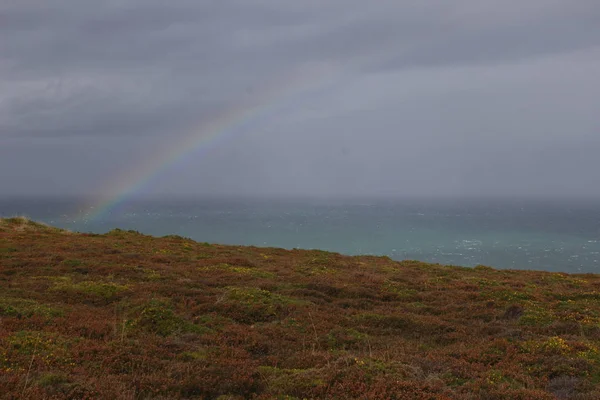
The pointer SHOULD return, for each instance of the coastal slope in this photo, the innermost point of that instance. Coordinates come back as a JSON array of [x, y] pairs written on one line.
[[124, 315]]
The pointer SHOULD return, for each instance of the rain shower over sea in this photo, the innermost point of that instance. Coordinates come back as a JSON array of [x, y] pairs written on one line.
[[518, 234]]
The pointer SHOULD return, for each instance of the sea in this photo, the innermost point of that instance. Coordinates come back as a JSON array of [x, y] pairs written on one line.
[[550, 235]]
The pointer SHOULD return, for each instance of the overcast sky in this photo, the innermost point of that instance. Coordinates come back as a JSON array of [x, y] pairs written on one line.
[[351, 97]]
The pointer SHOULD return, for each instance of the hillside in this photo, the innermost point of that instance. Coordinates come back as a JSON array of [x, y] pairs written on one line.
[[129, 316]]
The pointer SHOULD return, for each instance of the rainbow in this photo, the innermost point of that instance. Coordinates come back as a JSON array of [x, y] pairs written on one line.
[[277, 95]]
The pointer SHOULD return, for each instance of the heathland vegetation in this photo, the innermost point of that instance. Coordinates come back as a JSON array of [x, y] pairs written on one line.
[[123, 315]]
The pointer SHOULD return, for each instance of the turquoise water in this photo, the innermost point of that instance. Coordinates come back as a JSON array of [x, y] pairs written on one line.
[[555, 236]]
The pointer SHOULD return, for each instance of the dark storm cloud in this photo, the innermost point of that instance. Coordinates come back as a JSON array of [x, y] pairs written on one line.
[[514, 31], [448, 79], [187, 47]]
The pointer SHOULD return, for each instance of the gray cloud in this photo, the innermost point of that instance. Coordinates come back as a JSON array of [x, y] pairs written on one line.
[[422, 97]]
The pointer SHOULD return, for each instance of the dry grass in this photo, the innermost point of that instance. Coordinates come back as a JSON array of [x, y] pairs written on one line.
[[23, 224], [129, 316]]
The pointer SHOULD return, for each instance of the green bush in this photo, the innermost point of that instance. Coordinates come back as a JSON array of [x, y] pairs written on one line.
[[158, 317], [105, 290], [15, 307]]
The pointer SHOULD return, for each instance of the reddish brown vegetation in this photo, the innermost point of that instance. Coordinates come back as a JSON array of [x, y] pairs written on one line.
[[129, 316]]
